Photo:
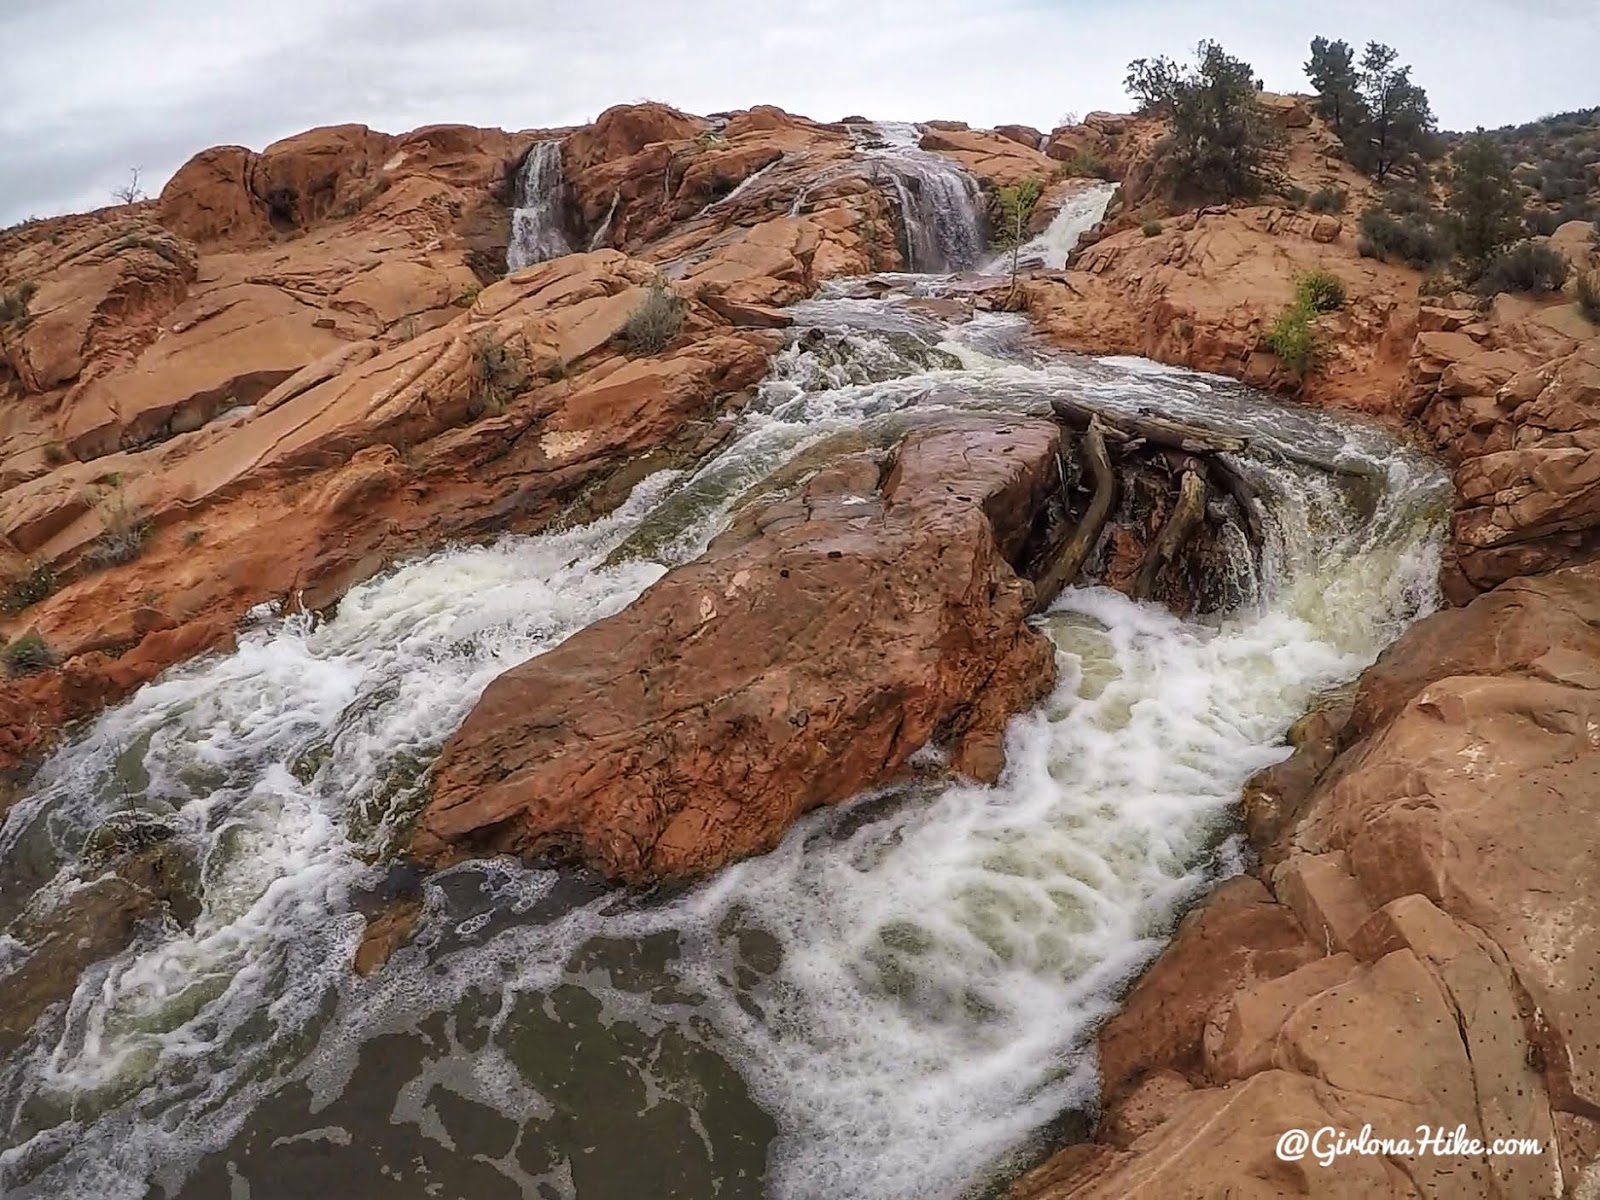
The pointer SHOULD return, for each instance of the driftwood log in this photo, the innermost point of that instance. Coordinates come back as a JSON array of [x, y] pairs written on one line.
[[1076, 552], [1186, 514], [1153, 449]]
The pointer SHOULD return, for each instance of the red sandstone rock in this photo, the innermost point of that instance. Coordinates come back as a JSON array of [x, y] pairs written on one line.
[[803, 659]]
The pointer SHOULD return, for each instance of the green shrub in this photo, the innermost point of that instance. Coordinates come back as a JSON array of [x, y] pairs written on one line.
[[1320, 291], [1416, 239], [1012, 210], [14, 304], [29, 654], [1293, 338], [1327, 200], [1297, 197], [1406, 201], [1534, 267], [30, 589], [1151, 228], [656, 321], [1541, 222], [498, 374], [1589, 294], [1086, 163]]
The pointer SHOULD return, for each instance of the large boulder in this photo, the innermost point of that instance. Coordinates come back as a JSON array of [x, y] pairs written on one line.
[[805, 657], [1204, 290]]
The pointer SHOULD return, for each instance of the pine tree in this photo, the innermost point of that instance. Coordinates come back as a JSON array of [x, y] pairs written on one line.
[[1220, 134], [1485, 204], [1398, 124], [1332, 71]]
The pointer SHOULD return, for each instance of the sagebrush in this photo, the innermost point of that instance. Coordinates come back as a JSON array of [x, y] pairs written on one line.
[[653, 325], [498, 374], [1589, 294], [1532, 267]]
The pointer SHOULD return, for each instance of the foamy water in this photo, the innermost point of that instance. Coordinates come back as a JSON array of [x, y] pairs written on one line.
[[906, 987]]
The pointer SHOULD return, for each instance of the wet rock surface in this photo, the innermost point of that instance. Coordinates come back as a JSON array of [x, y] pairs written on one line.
[[806, 657]]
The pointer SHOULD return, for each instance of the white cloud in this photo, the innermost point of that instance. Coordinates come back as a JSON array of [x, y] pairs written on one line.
[[101, 85]]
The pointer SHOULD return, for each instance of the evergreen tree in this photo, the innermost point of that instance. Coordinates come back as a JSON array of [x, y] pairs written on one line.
[[1220, 134], [1398, 124], [1485, 203], [1332, 71]]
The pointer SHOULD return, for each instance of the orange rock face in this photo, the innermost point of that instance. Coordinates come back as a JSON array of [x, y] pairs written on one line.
[[804, 658], [1203, 292]]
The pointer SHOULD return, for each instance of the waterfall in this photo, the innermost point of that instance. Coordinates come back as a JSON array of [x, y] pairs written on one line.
[[602, 235], [1079, 213], [940, 204], [536, 233], [888, 1006]]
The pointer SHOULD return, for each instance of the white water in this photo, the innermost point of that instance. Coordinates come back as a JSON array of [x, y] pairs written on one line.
[[536, 233], [941, 206], [1080, 212], [942, 959]]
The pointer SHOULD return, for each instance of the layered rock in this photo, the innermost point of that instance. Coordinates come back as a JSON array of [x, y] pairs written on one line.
[[997, 159], [1511, 397], [807, 656], [495, 420], [1203, 291], [1415, 950]]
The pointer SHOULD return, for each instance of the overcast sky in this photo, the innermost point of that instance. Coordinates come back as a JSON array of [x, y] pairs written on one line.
[[93, 87]]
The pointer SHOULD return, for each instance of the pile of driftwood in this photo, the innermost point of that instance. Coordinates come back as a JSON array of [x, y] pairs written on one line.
[[1168, 492]]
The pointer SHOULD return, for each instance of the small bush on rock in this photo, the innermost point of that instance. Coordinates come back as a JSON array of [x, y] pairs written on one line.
[[30, 589], [498, 374], [1087, 164], [1293, 338], [1327, 200], [656, 321], [1532, 267], [14, 304], [1414, 239], [1151, 228], [1320, 291], [1589, 295], [124, 537], [29, 654]]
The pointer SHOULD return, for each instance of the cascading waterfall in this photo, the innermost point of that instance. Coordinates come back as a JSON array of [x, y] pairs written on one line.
[[1078, 214], [536, 232], [890, 1005], [941, 207]]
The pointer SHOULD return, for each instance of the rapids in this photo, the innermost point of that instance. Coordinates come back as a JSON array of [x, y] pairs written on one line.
[[894, 1003]]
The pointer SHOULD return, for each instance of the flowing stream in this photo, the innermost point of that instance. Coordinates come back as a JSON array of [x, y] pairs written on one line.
[[536, 232], [894, 1003]]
